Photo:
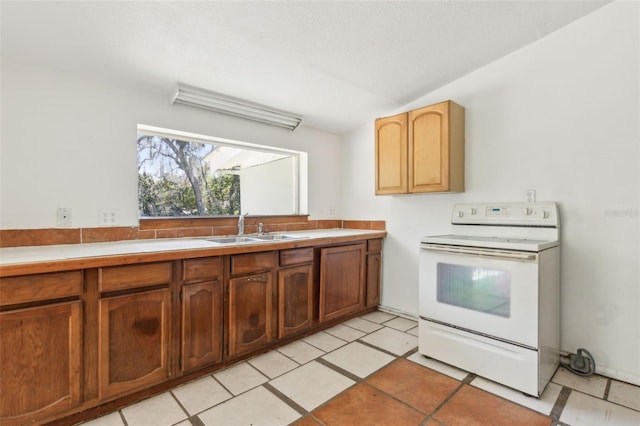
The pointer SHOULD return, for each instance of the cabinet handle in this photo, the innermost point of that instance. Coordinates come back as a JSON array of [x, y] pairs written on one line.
[[260, 279]]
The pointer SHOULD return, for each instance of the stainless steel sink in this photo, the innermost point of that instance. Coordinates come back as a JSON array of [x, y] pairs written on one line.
[[252, 239], [231, 240], [272, 237]]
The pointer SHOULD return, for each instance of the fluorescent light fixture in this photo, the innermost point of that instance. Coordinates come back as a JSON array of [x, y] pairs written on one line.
[[213, 101]]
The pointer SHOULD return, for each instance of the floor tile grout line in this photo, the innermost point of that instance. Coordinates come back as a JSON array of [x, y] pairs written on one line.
[[212, 375], [363, 381], [447, 399], [606, 390], [179, 404], [601, 398], [123, 418], [395, 398], [284, 398], [561, 402], [340, 370]]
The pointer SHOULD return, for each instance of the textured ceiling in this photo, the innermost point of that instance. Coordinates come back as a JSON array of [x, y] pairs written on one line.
[[338, 63]]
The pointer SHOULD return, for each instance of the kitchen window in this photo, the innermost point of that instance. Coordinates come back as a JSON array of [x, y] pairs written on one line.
[[184, 174]]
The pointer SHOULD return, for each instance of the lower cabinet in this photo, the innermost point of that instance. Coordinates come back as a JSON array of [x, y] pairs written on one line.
[[341, 281], [134, 337], [295, 299], [72, 340], [202, 304], [40, 362], [374, 270], [201, 324], [250, 312]]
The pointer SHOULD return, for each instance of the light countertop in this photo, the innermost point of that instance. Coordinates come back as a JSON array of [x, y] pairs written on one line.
[[53, 253]]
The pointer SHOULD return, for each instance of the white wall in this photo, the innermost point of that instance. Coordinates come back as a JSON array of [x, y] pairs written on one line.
[[70, 141], [560, 116], [268, 189]]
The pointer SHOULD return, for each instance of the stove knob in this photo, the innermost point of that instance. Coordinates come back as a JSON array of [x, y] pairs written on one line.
[[460, 213], [527, 211], [473, 211], [545, 214]]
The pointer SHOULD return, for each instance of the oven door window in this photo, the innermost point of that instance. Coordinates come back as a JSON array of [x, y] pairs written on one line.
[[480, 289]]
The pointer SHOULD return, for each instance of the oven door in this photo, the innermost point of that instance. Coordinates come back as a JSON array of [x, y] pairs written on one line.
[[484, 291]]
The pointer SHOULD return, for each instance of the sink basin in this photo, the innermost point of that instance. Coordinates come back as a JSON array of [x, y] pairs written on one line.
[[272, 237], [231, 240], [252, 239]]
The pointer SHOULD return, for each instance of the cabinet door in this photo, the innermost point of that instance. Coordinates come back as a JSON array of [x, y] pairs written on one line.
[[250, 312], [201, 324], [391, 155], [39, 362], [436, 148], [295, 299], [341, 280], [429, 149], [374, 266], [134, 341]]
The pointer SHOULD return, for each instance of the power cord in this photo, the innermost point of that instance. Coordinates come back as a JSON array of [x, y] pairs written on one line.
[[581, 363]]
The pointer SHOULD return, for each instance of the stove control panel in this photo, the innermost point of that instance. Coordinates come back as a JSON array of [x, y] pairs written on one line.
[[509, 214]]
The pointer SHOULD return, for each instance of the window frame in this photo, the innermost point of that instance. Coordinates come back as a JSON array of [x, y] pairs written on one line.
[[300, 165]]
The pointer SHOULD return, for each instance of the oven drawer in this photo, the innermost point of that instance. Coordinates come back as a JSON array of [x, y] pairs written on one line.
[[501, 362]]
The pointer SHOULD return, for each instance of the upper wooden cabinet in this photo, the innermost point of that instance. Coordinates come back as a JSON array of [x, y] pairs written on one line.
[[391, 155], [421, 150]]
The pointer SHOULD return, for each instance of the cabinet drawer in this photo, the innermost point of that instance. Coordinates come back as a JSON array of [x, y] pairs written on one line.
[[33, 288], [201, 269], [252, 262], [294, 256], [133, 276], [374, 245]]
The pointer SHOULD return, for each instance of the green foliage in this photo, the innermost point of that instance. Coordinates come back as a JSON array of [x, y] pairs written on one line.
[[174, 180]]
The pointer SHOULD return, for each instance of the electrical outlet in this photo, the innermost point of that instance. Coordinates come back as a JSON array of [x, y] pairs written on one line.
[[108, 218], [530, 195], [64, 217]]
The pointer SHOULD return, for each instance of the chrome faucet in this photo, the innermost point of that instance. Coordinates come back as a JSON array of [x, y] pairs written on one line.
[[241, 224], [260, 231]]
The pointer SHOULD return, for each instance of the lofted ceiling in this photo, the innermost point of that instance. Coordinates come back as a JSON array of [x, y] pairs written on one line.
[[338, 63]]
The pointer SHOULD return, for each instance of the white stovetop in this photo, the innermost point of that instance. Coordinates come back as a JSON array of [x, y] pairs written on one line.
[[526, 244], [34, 254]]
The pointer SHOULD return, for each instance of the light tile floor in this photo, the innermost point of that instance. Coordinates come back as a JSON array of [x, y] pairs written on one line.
[[367, 371]]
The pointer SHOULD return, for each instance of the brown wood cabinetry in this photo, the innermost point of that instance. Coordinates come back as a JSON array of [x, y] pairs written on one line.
[[40, 361], [251, 297], [295, 291], [134, 341], [391, 155], [133, 328], [73, 340], [33, 339], [374, 269], [341, 281], [421, 150], [201, 319]]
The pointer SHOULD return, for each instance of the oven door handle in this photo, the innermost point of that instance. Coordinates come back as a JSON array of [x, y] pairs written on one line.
[[501, 254]]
